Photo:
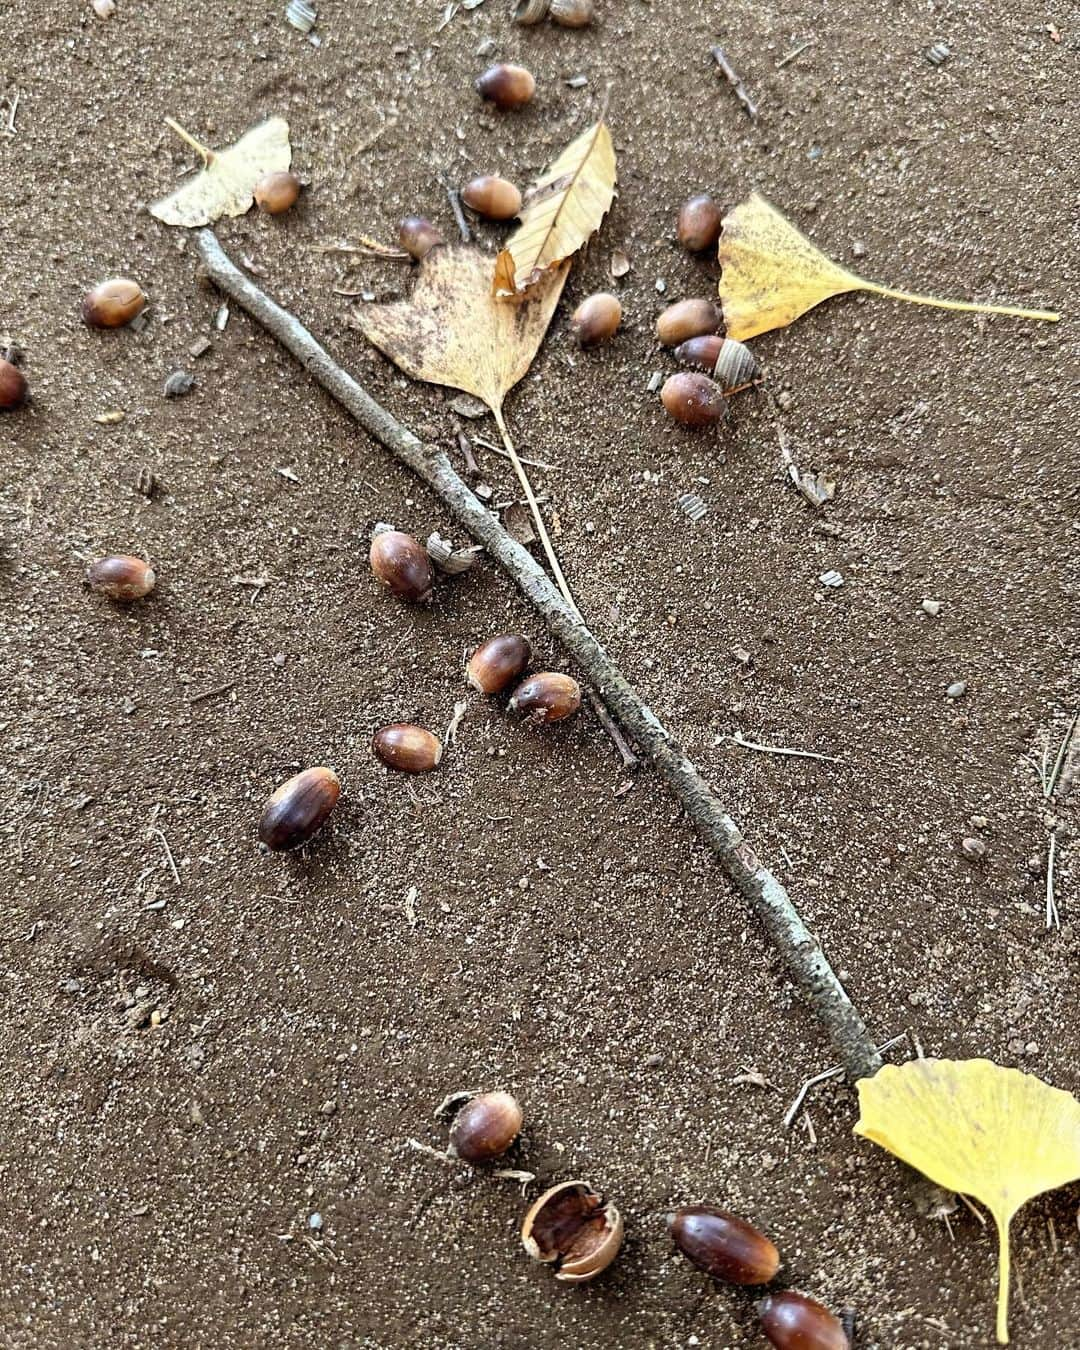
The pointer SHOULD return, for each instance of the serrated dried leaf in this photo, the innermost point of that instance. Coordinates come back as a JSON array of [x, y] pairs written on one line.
[[225, 186], [772, 274], [560, 211]]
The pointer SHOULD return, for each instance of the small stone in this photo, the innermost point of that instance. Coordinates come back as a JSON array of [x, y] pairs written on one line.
[[653, 1061], [785, 400], [104, 9], [278, 658], [656, 379], [178, 384], [741, 655], [957, 689], [858, 249], [661, 285], [931, 607], [972, 848], [1035, 865], [328, 1108], [979, 822], [314, 1221], [200, 347], [145, 482], [832, 579]]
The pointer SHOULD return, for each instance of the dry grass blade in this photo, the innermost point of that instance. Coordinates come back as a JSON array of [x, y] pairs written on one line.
[[561, 210], [225, 185]]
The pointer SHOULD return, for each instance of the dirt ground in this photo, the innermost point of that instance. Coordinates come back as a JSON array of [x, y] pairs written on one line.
[[572, 942]]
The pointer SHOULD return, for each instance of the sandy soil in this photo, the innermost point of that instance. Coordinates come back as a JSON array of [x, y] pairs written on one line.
[[572, 943]]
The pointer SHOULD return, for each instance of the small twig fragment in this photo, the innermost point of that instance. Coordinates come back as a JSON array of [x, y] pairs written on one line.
[[454, 198], [739, 739], [729, 73], [795, 52]]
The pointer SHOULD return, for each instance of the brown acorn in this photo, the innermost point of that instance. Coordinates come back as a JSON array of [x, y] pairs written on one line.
[[572, 13], [723, 1245], [700, 352], [485, 1127], [693, 399], [121, 576], [14, 390], [794, 1321], [506, 86], [687, 319], [596, 319], [498, 662], [417, 236], [547, 697], [276, 192], [493, 197], [113, 304], [699, 223], [410, 748], [298, 809], [402, 565], [572, 1228]]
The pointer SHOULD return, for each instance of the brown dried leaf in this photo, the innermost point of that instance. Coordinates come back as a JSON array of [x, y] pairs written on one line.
[[225, 186]]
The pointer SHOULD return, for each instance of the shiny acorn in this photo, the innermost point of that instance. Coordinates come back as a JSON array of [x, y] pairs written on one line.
[[121, 576], [547, 697], [506, 86], [417, 236], [485, 1127], [410, 748], [298, 809], [693, 399], [687, 319], [498, 662], [401, 563], [14, 391], [113, 304], [700, 220], [572, 1228], [572, 13], [723, 1245], [731, 364], [276, 192], [700, 352], [794, 1321], [493, 197], [596, 319]]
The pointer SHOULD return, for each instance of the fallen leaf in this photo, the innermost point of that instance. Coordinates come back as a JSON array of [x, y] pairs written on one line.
[[772, 274], [560, 211], [225, 185], [995, 1134]]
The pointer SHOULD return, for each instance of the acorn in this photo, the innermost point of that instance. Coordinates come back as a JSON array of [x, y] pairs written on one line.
[[485, 1127], [498, 662], [276, 192], [493, 197], [687, 319], [596, 319], [547, 697], [700, 352], [723, 1245], [417, 236], [121, 576], [572, 1228], [572, 13], [402, 565], [699, 223], [693, 399], [113, 304], [794, 1321], [410, 748], [298, 809], [14, 391], [506, 86]]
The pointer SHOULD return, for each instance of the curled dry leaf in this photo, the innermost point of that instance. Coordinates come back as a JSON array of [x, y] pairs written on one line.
[[225, 185], [560, 211], [996, 1134], [772, 274]]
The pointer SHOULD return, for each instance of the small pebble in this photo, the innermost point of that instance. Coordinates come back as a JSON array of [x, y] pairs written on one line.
[[200, 347], [957, 689], [973, 848], [858, 249], [178, 384], [979, 822], [315, 1222], [831, 578], [931, 607], [656, 379], [785, 400], [1035, 865]]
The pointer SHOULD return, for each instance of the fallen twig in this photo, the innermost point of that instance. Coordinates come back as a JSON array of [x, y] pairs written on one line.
[[729, 74], [795, 51], [739, 739], [823, 1077], [1053, 919], [810, 970]]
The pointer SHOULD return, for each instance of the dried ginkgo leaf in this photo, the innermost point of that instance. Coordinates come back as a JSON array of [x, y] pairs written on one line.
[[225, 186], [772, 274], [996, 1134], [560, 211]]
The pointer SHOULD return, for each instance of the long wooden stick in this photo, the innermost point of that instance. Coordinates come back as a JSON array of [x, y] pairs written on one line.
[[764, 893]]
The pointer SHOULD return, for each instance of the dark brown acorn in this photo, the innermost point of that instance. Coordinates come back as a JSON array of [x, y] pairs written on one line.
[[276, 192], [417, 236], [596, 319], [404, 746], [687, 319], [485, 1127], [495, 198], [547, 697], [692, 399], [402, 565], [14, 390], [298, 809], [571, 1227], [700, 352], [506, 86], [113, 304], [121, 577], [794, 1321], [498, 662], [699, 224], [723, 1245]]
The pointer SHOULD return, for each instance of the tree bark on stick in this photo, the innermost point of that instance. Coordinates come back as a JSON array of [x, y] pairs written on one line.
[[806, 963]]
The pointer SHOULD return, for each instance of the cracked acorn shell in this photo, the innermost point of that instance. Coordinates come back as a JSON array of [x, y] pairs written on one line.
[[572, 1228], [485, 1127], [572, 13], [298, 809]]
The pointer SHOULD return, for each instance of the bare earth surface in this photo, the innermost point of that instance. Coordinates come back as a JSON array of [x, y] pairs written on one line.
[[572, 944]]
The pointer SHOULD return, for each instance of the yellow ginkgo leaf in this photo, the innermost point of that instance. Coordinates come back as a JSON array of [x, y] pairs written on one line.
[[225, 186], [772, 273], [996, 1134], [561, 210]]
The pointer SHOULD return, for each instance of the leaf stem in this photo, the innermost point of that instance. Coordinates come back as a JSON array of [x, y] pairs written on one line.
[[1003, 1280], [968, 306], [204, 151]]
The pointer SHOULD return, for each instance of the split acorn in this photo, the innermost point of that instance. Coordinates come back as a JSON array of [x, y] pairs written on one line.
[[572, 1228], [298, 809]]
